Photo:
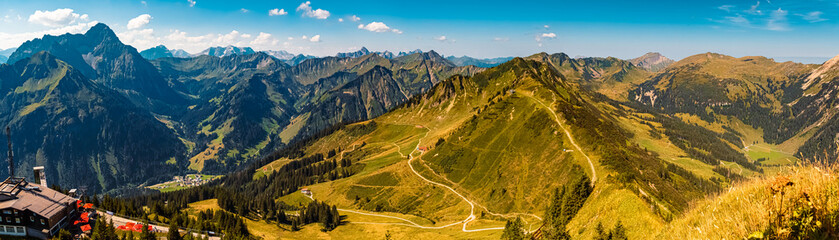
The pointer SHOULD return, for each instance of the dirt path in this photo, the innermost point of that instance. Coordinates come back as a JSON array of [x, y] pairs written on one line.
[[571, 138], [471, 216], [410, 223]]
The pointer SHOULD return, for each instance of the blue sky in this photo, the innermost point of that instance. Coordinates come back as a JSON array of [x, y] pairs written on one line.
[[623, 29]]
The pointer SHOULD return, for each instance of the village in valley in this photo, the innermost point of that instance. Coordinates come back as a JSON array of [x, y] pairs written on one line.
[[182, 182]]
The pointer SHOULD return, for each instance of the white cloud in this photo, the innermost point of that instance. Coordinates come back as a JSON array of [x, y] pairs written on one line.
[[262, 38], [500, 39], [753, 9], [8, 40], [813, 17], [544, 36], [340, 20], [139, 21], [265, 41], [355, 18], [306, 10], [375, 27], [182, 40], [243, 10], [277, 12], [191, 3], [140, 39], [10, 18], [441, 38], [315, 38], [57, 18], [232, 37], [738, 20], [378, 27], [778, 20], [547, 26], [144, 3], [726, 8]]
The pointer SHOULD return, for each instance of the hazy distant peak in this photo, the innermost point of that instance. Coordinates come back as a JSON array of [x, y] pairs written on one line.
[[652, 61]]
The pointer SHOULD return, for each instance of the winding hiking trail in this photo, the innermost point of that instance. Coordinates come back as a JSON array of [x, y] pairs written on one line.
[[472, 216], [410, 223], [570, 137]]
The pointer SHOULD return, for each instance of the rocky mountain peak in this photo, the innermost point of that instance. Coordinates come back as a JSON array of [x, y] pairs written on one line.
[[652, 61], [102, 33]]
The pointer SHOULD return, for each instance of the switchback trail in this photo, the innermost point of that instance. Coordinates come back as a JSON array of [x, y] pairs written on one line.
[[471, 216], [410, 223]]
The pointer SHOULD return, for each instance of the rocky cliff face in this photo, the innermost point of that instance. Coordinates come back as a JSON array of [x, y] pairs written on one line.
[[370, 95], [99, 55]]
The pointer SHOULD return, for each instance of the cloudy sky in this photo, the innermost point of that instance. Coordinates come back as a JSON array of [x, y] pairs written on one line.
[[623, 29]]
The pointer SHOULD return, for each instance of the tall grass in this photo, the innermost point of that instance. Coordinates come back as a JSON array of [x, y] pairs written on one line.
[[801, 202]]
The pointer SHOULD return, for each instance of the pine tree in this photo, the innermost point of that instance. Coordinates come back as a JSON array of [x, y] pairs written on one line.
[[99, 231], [336, 217], [619, 233], [111, 231], [514, 230], [64, 235], [173, 231], [600, 233], [146, 234], [294, 224], [554, 226]]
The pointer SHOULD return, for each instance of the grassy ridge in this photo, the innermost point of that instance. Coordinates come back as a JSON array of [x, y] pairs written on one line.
[[753, 207]]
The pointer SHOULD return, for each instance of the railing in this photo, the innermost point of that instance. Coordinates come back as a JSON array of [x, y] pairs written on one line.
[[161, 224]]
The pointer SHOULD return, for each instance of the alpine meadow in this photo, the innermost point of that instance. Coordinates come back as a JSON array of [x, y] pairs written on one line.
[[249, 120]]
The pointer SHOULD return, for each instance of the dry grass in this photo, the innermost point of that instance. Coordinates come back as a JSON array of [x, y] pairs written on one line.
[[748, 207]]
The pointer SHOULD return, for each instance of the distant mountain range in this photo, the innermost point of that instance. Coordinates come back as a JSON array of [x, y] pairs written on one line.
[[386, 54], [83, 103], [292, 59], [4, 54], [486, 62], [161, 51], [226, 51]]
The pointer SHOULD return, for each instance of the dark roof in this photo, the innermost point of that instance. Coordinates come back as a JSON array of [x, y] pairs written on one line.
[[24, 196]]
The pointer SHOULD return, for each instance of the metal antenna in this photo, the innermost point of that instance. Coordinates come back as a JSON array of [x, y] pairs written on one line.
[[11, 158]]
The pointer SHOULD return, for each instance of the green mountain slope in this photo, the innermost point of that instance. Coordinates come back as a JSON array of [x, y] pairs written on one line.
[[722, 90], [502, 139], [611, 77], [88, 134], [293, 105]]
